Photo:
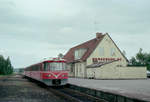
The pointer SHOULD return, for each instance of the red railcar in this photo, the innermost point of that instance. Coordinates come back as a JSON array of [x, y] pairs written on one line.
[[52, 72]]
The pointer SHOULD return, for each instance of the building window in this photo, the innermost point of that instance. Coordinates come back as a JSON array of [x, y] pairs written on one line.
[[80, 68], [112, 51], [79, 53], [101, 51], [76, 54], [71, 67], [76, 69]]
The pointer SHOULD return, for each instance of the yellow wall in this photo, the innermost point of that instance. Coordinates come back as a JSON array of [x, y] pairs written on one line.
[[111, 71], [107, 44]]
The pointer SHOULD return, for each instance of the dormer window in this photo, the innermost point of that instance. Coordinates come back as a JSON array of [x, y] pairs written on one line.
[[76, 54], [79, 53]]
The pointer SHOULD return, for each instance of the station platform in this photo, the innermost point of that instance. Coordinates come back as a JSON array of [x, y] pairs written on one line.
[[137, 89]]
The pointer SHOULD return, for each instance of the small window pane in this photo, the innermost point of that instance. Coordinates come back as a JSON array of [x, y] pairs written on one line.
[[101, 51], [112, 52]]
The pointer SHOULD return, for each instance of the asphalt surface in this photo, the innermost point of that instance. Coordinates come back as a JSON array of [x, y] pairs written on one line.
[[139, 89], [16, 89]]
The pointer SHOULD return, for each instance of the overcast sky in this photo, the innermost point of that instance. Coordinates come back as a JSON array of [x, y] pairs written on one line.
[[31, 30]]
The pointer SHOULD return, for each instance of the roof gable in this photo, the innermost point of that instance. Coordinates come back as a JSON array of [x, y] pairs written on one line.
[[107, 43], [118, 48]]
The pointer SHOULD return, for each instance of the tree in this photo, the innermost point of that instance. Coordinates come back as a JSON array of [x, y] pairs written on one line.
[[2, 65], [60, 55], [133, 61], [8, 66], [5, 66], [141, 59], [147, 60]]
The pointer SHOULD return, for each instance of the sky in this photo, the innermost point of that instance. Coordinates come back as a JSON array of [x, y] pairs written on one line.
[[31, 30]]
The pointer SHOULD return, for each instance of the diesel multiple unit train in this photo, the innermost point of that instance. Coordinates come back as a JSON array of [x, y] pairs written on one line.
[[51, 72]]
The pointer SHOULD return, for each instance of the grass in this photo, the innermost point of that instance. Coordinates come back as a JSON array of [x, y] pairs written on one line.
[[4, 75]]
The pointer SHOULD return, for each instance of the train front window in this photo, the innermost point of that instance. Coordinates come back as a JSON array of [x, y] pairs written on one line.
[[54, 66]]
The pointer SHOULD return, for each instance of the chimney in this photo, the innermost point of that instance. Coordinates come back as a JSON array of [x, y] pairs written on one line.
[[98, 35]]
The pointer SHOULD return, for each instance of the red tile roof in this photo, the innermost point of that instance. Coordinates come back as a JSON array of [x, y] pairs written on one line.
[[89, 45]]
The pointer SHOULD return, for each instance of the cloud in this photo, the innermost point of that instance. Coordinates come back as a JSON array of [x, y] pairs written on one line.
[[66, 29], [31, 30]]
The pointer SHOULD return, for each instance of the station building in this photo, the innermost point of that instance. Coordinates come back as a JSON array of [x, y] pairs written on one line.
[[100, 58]]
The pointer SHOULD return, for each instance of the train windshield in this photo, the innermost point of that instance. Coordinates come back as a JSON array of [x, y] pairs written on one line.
[[54, 66]]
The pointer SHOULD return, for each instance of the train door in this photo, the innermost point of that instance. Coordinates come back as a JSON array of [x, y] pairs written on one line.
[[44, 69]]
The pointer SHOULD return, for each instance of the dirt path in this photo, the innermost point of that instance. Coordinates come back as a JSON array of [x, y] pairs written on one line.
[[16, 89]]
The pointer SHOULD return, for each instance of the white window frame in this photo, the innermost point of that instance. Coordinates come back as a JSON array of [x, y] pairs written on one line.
[[112, 51], [101, 51], [76, 54]]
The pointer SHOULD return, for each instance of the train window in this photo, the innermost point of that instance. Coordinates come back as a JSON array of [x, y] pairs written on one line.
[[64, 66], [55, 66], [47, 66], [44, 66]]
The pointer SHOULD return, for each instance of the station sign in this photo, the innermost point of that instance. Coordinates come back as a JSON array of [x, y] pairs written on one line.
[[105, 59]]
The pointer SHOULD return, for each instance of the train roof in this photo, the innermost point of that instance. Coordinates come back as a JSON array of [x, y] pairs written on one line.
[[53, 59], [49, 60]]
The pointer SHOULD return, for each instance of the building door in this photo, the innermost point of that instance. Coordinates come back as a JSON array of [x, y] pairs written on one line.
[[73, 69], [76, 70], [85, 71]]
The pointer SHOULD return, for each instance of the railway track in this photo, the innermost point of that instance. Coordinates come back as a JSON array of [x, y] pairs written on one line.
[[68, 94], [74, 96]]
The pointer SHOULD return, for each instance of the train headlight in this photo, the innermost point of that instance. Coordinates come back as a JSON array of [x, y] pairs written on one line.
[[48, 75], [64, 75]]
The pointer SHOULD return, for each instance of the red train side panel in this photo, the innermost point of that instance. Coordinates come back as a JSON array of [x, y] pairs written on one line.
[[51, 72]]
